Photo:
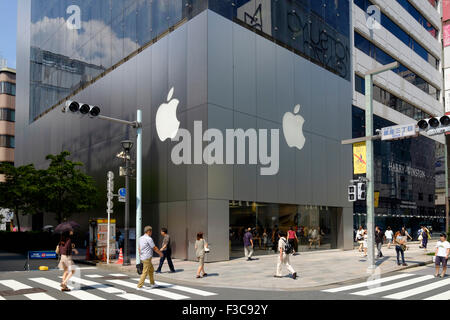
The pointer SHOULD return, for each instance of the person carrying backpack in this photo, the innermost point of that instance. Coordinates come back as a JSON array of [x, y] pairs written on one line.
[[285, 250]]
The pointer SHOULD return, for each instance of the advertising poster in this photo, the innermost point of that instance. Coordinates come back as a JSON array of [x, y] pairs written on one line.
[[359, 158]]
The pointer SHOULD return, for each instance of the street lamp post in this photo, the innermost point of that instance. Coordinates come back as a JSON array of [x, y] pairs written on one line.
[[127, 145], [370, 162]]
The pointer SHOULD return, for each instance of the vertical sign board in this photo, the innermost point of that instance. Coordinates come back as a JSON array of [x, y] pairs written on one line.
[[376, 199], [102, 236], [359, 158]]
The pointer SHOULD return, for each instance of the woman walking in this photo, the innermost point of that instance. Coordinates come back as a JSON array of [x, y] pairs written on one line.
[[425, 236], [200, 250], [359, 238], [292, 238], [400, 246], [365, 242], [65, 247]]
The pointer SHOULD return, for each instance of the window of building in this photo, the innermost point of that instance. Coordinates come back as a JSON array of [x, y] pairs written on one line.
[[381, 56], [7, 115], [7, 141], [390, 100], [419, 17], [7, 88], [401, 34]]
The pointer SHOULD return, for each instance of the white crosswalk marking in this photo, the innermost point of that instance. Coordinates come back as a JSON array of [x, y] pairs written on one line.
[[79, 294], [185, 289], [96, 285], [39, 296], [393, 286], [93, 276], [368, 283], [1, 298], [158, 292], [419, 290], [442, 296], [131, 296], [16, 285]]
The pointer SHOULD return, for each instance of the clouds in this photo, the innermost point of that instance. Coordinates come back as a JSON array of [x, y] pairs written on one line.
[[95, 43]]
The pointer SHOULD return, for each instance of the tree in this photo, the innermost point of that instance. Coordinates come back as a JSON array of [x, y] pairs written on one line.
[[65, 188], [16, 192]]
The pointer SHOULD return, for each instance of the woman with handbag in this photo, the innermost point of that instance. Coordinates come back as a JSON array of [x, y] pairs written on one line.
[[201, 248], [400, 246], [64, 248]]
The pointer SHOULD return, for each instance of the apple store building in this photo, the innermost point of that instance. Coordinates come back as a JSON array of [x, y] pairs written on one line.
[[244, 105]]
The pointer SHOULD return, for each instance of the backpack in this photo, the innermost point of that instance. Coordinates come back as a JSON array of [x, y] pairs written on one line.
[[288, 248]]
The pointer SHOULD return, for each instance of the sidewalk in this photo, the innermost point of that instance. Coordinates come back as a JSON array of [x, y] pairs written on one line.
[[315, 269]]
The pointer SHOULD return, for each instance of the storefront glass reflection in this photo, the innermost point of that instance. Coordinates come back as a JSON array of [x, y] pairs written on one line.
[[315, 226]]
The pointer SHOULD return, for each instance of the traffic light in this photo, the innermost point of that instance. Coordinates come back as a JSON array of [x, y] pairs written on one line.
[[110, 195], [82, 108], [361, 191], [352, 193], [435, 125]]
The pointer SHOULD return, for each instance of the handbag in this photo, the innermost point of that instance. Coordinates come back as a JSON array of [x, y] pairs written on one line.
[[57, 249], [207, 250], [140, 268], [420, 238]]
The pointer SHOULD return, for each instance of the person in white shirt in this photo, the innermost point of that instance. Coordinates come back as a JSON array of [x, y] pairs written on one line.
[[284, 257], [359, 238], [389, 235], [146, 248], [365, 243], [441, 255]]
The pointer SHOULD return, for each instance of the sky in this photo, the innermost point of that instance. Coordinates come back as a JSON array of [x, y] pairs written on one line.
[[8, 31]]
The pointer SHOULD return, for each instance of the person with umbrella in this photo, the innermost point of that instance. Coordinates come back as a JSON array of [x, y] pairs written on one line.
[[65, 247]]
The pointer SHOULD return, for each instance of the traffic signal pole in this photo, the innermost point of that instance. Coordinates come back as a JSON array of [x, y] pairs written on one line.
[[370, 163], [138, 126]]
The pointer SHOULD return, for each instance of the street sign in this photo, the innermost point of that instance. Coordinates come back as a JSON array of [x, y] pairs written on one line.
[[399, 132], [122, 194]]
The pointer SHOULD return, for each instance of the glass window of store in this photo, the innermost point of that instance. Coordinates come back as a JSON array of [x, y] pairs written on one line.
[[315, 226]]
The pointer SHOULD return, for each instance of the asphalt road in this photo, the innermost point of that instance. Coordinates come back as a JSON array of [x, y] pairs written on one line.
[[91, 283]]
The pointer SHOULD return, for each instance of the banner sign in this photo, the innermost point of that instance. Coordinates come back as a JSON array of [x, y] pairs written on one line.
[[359, 158], [42, 255]]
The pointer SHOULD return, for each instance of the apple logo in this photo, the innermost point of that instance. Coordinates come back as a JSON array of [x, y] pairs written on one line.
[[293, 129], [167, 124]]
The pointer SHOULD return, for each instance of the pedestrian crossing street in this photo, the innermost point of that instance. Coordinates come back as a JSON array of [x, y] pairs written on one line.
[[404, 286], [95, 287]]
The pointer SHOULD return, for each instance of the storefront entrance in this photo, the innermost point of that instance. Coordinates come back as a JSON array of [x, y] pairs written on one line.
[[315, 226]]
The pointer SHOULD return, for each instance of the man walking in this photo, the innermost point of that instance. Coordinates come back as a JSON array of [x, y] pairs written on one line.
[[283, 257], [248, 244], [146, 248], [167, 252], [379, 237]]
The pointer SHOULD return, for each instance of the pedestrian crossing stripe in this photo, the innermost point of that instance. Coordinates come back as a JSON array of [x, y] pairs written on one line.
[[79, 294], [181, 288], [96, 285], [392, 286], [16, 285], [114, 287], [158, 292], [368, 283], [441, 296], [419, 290]]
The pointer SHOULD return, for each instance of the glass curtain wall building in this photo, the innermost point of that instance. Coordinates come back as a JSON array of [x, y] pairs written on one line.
[[241, 64], [405, 170]]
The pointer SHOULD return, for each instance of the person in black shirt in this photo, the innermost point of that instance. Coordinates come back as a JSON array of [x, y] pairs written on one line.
[[379, 238]]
